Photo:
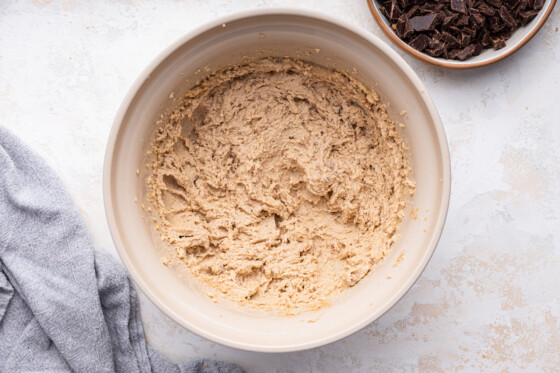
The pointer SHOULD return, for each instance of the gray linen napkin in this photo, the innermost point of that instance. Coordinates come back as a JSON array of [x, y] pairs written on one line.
[[63, 306]]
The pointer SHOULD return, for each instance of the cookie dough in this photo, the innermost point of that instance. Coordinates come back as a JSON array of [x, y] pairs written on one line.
[[279, 183]]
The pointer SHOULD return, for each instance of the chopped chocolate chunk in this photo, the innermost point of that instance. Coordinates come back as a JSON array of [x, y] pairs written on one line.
[[466, 52], [437, 52], [496, 25], [506, 16], [394, 11], [458, 6], [404, 30], [471, 32], [465, 40], [454, 30], [486, 9], [420, 42], [538, 4], [522, 6], [498, 42], [458, 29], [451, 41], [485, 41], [412, 11], [453, 54], [448, 21], [434, 44], [424, 23], [494, 3], [439, 8], [526, 17], [506, 34], [432, 52], [477, 18], [478, 49], [513, 3], [463, 20]]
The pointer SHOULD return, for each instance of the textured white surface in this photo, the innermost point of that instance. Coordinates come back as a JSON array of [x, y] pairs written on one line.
[[488, 300]]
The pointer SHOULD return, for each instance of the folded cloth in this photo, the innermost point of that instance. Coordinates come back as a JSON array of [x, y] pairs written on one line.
[[63, 306]]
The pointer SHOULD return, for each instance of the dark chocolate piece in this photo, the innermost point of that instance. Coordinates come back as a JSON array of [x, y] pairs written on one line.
[[526, 17], [403, 3], [451, 41], [404, 30], [513, 4], [478, 49], [458, 6], [486, 40], [394, 11], [433, 52], [470, 31], [420, 42], [465, 39], [466, 52], [495, 24], [506, 33], [439, 8], [498, 42], [522, 6], [486, 9], [494, 3], [506, 16], [538, 4], [448, 21], [477, 18], [412, 11], [424, 23], [463, 20], [453, 54], [436, 44]]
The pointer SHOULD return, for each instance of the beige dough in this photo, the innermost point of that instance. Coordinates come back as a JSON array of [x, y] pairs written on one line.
[[279, 183]]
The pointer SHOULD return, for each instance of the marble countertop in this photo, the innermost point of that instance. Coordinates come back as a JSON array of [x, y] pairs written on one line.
[[489, 298]]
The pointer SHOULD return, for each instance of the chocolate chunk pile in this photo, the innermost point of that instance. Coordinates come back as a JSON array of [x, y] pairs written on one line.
[[458, 29]]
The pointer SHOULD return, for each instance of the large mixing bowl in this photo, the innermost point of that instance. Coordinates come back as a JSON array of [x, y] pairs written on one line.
[[230, 40]]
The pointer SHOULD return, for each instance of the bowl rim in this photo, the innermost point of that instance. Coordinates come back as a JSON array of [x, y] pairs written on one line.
[[458, 65], [145, 75]]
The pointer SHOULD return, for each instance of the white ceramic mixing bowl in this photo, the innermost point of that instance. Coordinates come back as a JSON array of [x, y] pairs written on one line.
[[229, 40]]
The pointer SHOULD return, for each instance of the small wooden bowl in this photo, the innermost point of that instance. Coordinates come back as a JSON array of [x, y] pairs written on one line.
[[488, 56]]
